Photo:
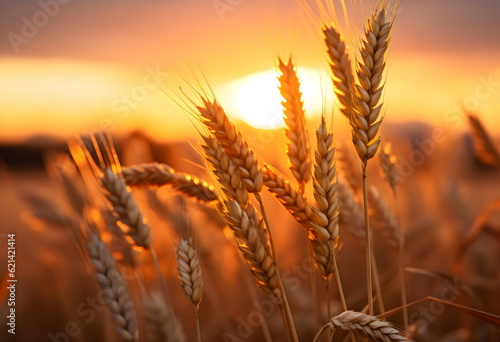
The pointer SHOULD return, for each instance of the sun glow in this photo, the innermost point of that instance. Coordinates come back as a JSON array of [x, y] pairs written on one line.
[[256, 99]]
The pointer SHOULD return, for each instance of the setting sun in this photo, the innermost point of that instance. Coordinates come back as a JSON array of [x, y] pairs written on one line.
[[256, 99]]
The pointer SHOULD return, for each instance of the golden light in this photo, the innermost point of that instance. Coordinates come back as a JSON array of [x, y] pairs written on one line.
[[256, 99]]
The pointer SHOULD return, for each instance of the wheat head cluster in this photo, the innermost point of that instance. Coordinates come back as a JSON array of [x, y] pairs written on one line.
[[115, 238]]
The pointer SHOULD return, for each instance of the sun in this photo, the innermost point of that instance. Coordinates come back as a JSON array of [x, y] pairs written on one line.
[[256, 99]]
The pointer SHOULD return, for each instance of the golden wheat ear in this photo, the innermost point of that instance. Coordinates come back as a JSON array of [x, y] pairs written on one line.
[[214, 117], [384, 218], [367, 92], [96, 158], [388, 164], [327, 199], [366, 325], [114, 289], [484, 149], [298, 141], [340, 67], [156, 175]]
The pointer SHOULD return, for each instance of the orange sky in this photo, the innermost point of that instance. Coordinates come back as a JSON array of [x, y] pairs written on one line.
[[80, 66]]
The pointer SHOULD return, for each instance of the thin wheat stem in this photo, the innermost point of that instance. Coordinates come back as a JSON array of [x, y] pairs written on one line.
[[197, 320], [320, 332], [369, 283], [287, 312], [402, 280], [328, 304], [341, 293], [161, 279], [378, 287], [314, 288]]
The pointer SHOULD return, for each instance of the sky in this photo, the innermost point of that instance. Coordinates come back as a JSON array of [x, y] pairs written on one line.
[[71, 65]]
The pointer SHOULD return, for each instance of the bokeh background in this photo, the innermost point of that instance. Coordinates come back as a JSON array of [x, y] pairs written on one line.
[[73, 67]]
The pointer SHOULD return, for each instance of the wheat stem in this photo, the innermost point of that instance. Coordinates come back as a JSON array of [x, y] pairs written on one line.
[[376, 282], [197, 321], [402, 280], [314, 289], [369, 283]]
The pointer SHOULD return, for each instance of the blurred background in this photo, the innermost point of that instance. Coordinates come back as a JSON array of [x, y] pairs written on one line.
[[70, 66]]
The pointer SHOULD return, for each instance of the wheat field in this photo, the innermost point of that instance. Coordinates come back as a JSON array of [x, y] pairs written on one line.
[[320, 235]]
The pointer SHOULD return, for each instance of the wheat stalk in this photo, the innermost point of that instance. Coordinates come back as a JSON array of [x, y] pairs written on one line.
[[156, 174], [365, 119], [213, 116], [341, 68], [114, 289], [384, 218], [125, 208], [298, 142], [366, 325], [296, 203], [484, 148]]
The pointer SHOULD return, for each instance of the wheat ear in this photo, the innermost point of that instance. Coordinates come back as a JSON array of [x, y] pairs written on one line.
[[189, 272], [296, 203], [484, 148], [114, 289], [298, 141], [156, 174], [388, 164], [213, 116], [160, 324], [225, 170], [190, 275], [351, 214], [366, 325], [253, 243], [125, 208], [366, 117], [384, 218], [341, 68], [327, 199]]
